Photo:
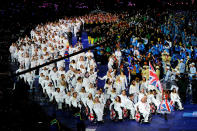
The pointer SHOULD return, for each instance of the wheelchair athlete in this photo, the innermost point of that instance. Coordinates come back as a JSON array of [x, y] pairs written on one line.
[[98, 109], [143, 109], [176, 100], [116, 109], [131, 107], [89, 107]]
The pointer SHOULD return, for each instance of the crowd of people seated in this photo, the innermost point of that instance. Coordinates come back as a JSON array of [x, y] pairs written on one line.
[[131, 42]]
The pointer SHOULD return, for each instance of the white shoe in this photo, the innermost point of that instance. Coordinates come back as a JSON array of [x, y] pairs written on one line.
[[181, 109]]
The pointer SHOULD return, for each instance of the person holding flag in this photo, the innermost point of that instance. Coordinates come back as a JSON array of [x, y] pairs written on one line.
[[165, 107]]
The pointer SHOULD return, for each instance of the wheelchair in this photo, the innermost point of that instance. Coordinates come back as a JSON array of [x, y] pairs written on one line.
[[108, 102], [174, 105], [92, 117], [130, 115], [153, 108], [125, 113], [84, 111], [140, 119], [113, 114], [87, 111]]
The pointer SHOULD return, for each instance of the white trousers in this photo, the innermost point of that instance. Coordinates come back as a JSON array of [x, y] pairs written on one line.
[[119, 113], [179, 104], [99, 114], [145, 115], [59, 102], [30, 82], [135, 97], [132, 113], [55, 82], [27, 65]]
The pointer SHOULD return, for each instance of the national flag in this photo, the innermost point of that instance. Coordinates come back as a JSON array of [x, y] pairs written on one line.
[[153, 79], [171, 102], [166, 106], [172, 106]]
